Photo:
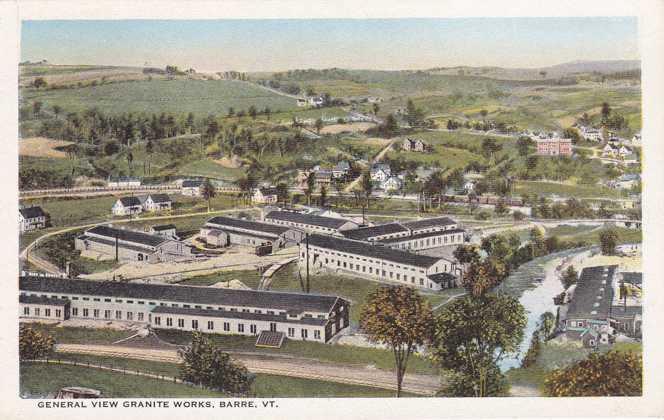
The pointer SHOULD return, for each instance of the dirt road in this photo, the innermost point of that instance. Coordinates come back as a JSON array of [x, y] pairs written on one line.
[[376, 159], [278, 365]]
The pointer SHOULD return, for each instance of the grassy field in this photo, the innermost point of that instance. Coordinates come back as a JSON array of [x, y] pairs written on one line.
[[81, 335], [209, 169], [39, 380], [564, 190], [265, 386], [178, 96], [250, 278], [351, 355]]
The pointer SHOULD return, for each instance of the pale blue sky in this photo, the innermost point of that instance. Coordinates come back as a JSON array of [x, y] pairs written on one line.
[[266, 45]]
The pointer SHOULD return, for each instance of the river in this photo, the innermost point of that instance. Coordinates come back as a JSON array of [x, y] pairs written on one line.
[[535, 283]]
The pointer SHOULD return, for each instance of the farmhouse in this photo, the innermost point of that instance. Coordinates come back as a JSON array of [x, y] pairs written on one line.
[[265, 195], [191, 187], [392, 183], [310, 223], [413, 145], [223, 231], [380, 172], [341, 169], [129, 245], [592, 134], [185, 308], [322, 178], [127, 206], [554, 146], [31, 218], [123, 182], [377, 262], [155, 202]]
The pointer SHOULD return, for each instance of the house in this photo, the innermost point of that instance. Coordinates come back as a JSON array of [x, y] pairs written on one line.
[[31, 218], [130, 245], [310, 223], [155, 202], [393, 183], [167, 231], [322, 178], [636, 140], [126, 206], [591, 134], [265, 195], [413, 145], [610, 151], [302, 102], [374, 99], [380, 172], [123, 182], [297, 316], [222, 231], [341, 169], [378, 263], [628, 250], [624, 151], [554, 146], [191, 187]]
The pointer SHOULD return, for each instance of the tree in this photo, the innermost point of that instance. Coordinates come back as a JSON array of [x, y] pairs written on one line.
[[472, 335], [367, 186], [252, 112], [523, 143], [130, 159], [36, 108], [399, 318], [323, 196], [484, 113], [547, 324], [111, 148], [376, 108], [606, 111], [319, 125], [490, 147], [573, 134], [267, 111], [466, 254], [205, 364], [39, 82], [208, 192], [33, 344], [543, 73], [569, 277], [311, 186], [57, 110], [501, 208], [615, 373], [482, 276], [282, 192], [231, 111], [608, 239]]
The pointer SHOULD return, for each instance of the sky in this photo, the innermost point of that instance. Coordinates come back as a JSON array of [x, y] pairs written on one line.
[[282, 44]]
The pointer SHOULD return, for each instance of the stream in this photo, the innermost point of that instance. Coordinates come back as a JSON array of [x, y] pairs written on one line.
[[535, 283]]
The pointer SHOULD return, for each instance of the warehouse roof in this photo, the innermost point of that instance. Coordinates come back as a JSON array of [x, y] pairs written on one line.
[[130, 201], [427, 223], [372, 251], [250, 316], [42, 300], [187, 294], [593, 294], [127, 235], [307, 219], [423, 235], [366, 233], [248, 225]]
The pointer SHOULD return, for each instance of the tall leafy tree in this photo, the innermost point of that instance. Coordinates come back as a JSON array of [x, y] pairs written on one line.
[[208, 192], [206, 365], [473, 333], [399, 318], [33, 344], [608, 239], [367, 186]]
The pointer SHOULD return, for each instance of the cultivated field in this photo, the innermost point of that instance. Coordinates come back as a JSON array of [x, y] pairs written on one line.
[[357, 127], [42, 147]]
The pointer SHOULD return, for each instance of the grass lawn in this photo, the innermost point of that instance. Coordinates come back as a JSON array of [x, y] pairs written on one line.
[[381, 359], [442, 156], [565, 190], [209, 169], [625, 236], [265, 386], [178, 97], [250, 278], [39, 380]]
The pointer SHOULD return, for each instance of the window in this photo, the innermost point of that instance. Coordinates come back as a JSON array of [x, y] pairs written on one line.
[[74, 311], [58, 313], [96, 299], [140, 316], [26, 310], [86, 312], [240, 328], [227, 326], [118, 300], [47, 312], [118, 314], [95, 313], [169, 322], [291, 332], [181, 323], [107, 300], [157, 320], [107, 314], [304, 333], [194, 324], [210, 325], [130, 301], [37, 311], [252, 329], [317, 334]]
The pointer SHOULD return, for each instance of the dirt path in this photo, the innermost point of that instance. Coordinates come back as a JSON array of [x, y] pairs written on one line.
[[376, 159], [274, 365]]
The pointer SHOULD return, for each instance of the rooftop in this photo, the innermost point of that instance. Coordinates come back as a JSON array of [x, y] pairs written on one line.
[[32, 212], [373, 231], [42, 300], [130, 201], [163, 227], [262, 227], [427, 223], [372, 251], [127, 235], [187, 294], [307, 219], [593, 294]]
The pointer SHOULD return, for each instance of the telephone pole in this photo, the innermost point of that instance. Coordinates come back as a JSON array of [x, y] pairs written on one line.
[[306, 239]]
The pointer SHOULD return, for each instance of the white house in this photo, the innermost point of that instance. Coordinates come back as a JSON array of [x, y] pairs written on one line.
[[341, 169], [31, 218], [192, 187], [393, 183], [380, 172], [265, 195], [626, 181], [636, 140], [126, 206], [592, 134], [156, 202]]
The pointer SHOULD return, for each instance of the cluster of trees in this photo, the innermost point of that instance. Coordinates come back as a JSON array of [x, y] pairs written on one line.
[[544, 331], [572, 208], [484, 125], [204, 364], [34, 344]]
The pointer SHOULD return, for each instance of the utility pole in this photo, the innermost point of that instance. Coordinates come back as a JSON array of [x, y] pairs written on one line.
[[306, 239], [116, 247]]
